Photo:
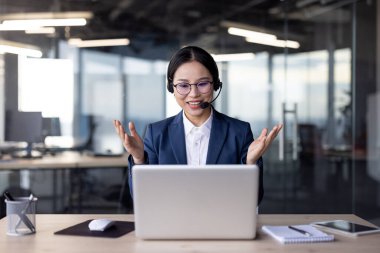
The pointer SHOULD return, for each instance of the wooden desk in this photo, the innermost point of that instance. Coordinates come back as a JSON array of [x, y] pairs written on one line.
[[45, 241], [66, 160]]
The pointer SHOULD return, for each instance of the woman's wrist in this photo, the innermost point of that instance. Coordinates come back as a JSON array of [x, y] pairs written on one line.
[[251, 161], [138, 160]]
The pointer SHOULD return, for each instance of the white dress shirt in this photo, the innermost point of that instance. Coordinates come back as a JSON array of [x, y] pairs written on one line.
[[197, 139]]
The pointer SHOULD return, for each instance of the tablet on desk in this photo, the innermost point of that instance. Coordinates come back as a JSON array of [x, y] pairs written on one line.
[[344, 227]]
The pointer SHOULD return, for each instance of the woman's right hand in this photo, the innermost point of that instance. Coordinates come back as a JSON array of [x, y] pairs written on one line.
[[132, 143]]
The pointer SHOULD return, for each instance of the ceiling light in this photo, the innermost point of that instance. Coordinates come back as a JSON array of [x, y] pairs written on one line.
[[28, 24], [19, 48], [41, 30], [253, 34], [257, 35], [48, 15], [36, 20], [98, 43], [233, 57], [275, 43]]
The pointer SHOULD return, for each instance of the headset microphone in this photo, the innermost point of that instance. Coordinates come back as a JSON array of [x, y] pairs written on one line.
[[204, 105]]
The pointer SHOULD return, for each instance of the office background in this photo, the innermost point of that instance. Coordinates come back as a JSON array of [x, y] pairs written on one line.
[[324, 85]]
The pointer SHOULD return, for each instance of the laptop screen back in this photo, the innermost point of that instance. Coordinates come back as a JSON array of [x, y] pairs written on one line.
[[202, 202]]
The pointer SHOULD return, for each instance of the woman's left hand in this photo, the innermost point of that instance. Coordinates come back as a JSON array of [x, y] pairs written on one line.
[[261, 144]]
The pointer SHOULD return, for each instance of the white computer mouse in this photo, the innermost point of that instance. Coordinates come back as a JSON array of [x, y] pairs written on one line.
[[100, 224]]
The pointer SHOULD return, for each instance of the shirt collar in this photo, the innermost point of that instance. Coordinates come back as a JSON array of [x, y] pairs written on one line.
[[205, 127]]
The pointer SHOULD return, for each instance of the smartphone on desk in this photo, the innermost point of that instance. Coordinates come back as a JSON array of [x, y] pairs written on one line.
[[344, 227]]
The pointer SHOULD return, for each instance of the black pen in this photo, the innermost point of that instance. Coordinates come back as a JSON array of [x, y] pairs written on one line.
[[8, 196], [300, 231]]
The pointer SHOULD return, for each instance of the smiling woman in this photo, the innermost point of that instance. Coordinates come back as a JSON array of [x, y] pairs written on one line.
[[199, 134], [188, 92]]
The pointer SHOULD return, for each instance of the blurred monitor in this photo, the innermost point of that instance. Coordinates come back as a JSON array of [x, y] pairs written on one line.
[[51, 126], [24, 127]]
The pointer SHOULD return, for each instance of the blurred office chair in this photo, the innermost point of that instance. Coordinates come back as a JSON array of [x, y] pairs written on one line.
[[51, 126], [84, 131], [309, 150], [125, 198], [309, 142]]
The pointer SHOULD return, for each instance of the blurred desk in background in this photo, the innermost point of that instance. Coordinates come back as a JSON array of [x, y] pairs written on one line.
[[62, 161], [74, 163], [342, 159]]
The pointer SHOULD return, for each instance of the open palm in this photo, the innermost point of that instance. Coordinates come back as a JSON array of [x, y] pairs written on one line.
[[261, 144], [132, 143]]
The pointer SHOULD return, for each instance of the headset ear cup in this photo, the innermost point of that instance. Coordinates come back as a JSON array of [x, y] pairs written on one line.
[[217, 85]]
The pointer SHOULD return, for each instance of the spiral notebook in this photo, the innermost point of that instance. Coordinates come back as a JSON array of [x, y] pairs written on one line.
[[297, 234]]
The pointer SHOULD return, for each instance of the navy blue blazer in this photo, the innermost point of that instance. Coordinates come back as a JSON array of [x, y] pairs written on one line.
[[164, 143]]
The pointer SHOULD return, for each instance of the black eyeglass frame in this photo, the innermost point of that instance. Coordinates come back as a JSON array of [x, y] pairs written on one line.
[[196, 84]]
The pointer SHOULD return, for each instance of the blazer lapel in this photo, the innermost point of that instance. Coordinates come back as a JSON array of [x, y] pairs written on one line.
[[218, 136], [177, 139]]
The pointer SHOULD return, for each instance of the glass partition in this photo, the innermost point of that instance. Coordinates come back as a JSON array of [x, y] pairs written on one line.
[[101, 99], [145, 91], [248, 89]]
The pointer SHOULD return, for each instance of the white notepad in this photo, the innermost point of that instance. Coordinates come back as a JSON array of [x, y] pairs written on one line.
[[284, 234]]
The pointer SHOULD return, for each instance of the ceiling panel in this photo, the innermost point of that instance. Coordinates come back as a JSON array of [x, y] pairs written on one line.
[[160, 22]]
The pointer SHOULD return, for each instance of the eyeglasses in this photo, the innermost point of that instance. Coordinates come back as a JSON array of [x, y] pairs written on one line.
[[185, 88]]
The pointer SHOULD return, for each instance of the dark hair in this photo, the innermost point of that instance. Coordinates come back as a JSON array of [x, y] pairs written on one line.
[[192, 53]]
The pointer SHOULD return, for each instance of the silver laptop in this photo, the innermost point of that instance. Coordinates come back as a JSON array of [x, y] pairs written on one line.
[[195, 202]]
